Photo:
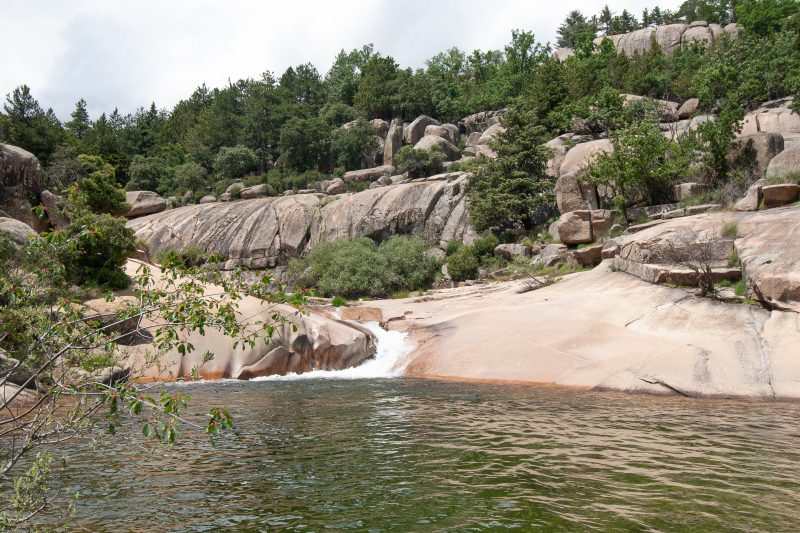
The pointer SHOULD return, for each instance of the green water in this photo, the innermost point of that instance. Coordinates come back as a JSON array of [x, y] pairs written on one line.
[[407, 455]]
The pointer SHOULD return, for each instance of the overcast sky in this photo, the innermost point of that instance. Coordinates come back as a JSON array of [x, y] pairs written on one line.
[[127, 54]]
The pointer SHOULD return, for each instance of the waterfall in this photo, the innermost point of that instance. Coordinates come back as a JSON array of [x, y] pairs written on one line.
[[389, 360]]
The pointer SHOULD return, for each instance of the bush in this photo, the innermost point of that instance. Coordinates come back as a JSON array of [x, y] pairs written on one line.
[[420, 163], [190, 176], [354, 268], [483, 248], [413, 269], [99, 190], [146, 174], [100, 245], [463, 265], [235, 162]]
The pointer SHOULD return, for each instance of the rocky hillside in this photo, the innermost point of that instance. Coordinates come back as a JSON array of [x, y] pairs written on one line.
[[267, 232]]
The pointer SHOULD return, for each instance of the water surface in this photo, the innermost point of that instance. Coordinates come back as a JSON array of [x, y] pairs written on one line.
[[411, 455]]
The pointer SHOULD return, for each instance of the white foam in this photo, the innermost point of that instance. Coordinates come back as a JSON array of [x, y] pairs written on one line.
[[389, 361]]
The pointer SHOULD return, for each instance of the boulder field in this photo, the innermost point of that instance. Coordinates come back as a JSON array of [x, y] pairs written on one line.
[[606, 329], [268, 232], [306, 342]]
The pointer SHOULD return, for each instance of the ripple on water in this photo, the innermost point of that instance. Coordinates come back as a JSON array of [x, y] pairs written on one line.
[[407, 455]]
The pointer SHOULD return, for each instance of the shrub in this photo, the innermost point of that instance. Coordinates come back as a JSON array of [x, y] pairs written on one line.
[[408, 260], [483, 247], [338, 301], [190, 176], [349, 268], [100, 245], [99, 190], [355, 268], [235, 162], [463, 265], [420, 163], [146, 173], [730, 229]]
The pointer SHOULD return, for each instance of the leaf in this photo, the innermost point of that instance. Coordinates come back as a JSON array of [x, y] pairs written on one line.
[[147, 430]]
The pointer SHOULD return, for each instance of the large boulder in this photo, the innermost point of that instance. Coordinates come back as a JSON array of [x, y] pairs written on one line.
[[490, 133], [684, 191], [15, 230], [54, 206], [510, 251], [558, 150], [786, 163], [430, 142], [581, 155], [256, 191], [778, 195], [416, 130], [21, 185], [697, 34], [574, 195], [774, 117], [751, 200], [381, 127], [144, 203], [575, 227], [669, 37], [368, 174], [114, 316], [479, 122], [393, 142], [336, 186], [208, 199], [562, 54], [636, 42], [688, 108], [757, 150]]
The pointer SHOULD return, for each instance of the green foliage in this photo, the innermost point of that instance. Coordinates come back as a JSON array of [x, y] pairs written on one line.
[[352, 147], [642, 166], [765, 17], [354, 268], [147, 174], [99, 190], [190, 176], [576, 30], [503, 192], [27, 125], [420, 163], [235, 162], [99, 244], [304, 143], [338, 301], [463, 265], [413, 268], [731, 229]]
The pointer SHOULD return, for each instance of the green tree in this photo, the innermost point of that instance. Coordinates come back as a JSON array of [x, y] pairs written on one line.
[[716, 11], [575, 30], [26, 125], [190, 176], [146, 173], [353, 146], [377, 90], [80, 125], [503, 192], [765, 17], [235, 162], [642, 166], [342, 80], [304, 143], [98, 190], [420, 163]]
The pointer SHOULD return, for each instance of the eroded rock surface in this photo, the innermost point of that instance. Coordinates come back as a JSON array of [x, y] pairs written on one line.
[[268, 232], [21, 185]]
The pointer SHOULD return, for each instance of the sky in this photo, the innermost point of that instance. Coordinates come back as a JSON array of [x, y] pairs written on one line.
[[125, 55]]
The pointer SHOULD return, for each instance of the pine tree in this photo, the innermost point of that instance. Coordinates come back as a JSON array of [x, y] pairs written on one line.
[[80, 125], [575, 29]]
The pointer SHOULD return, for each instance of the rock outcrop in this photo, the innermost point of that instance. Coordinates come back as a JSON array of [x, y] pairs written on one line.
[[21, 185], [786, 163], [268, 232], [429, 142], [774, 117], [416, 130], [581, 155], [671, 38], [368, 174], [144, 203], [757, 150], [393, 143], [303, 343]]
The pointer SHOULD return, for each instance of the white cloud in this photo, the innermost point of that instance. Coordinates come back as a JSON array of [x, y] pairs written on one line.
[[127, 54]]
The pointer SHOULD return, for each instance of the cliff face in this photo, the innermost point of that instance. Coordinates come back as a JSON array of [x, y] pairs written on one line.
[[21, 184], [268, 232]]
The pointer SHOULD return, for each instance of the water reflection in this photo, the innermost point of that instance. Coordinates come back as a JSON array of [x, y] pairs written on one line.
[[405, 455]]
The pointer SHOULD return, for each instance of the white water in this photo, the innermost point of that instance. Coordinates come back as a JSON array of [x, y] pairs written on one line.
[[392, 347]]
